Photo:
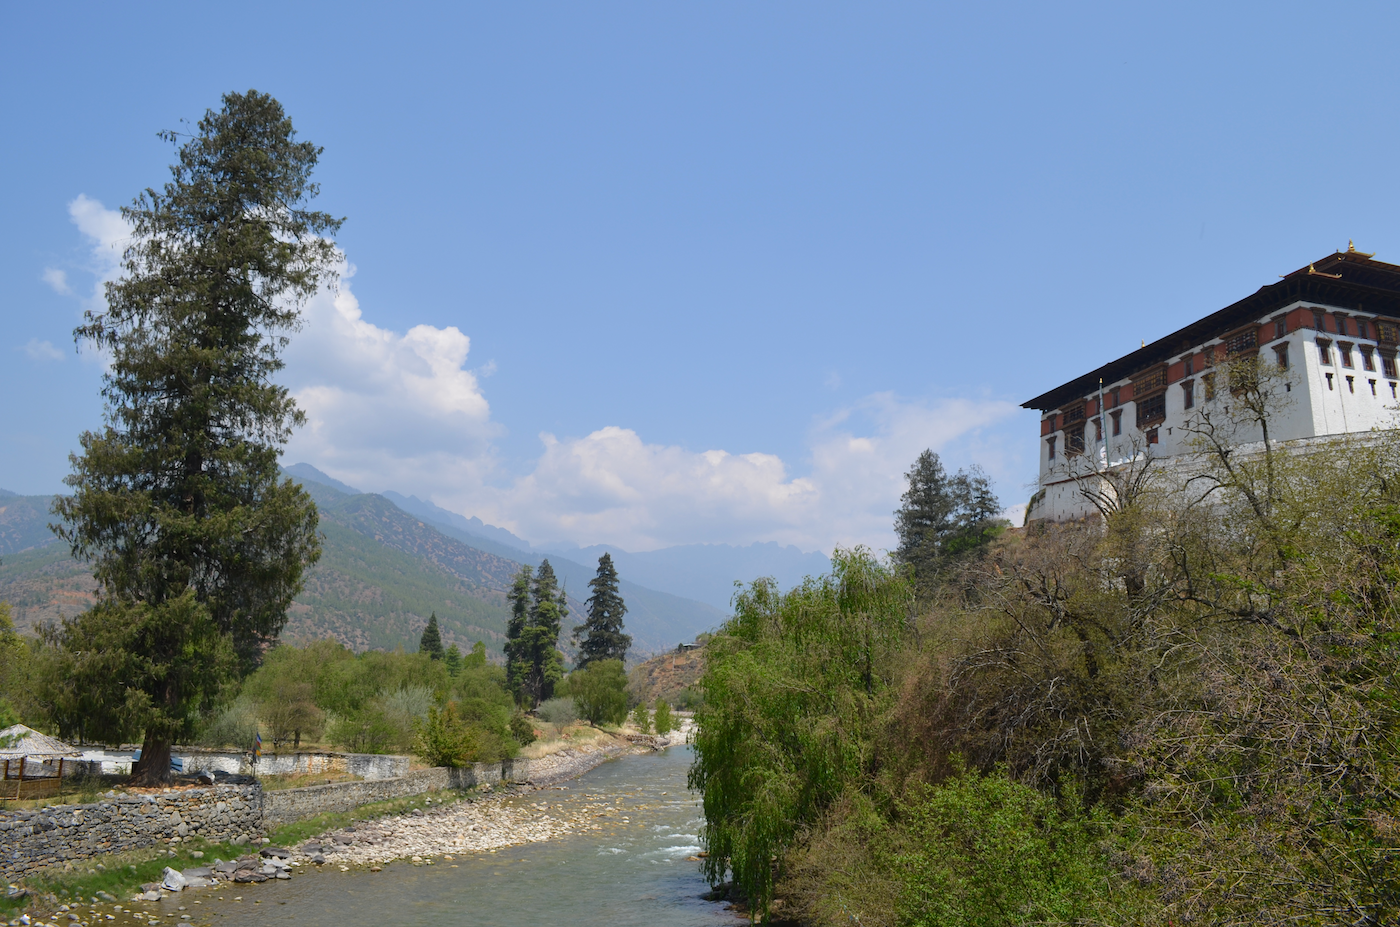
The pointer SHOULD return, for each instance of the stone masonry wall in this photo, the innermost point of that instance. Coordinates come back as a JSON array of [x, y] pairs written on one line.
[[55, 835], [283, 806]]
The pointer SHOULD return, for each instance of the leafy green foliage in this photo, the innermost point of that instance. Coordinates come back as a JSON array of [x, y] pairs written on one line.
[[599, 691], [522, 730], [198, 548], [602, 629], [443, 738], [794, 686], [558, 710], [662, 719], [641, 718]]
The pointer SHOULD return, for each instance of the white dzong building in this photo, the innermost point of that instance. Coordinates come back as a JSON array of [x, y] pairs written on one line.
[[1329, 330]]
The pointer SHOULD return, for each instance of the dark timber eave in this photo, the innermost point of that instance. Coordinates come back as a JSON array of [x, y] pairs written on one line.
[[1366, 286]]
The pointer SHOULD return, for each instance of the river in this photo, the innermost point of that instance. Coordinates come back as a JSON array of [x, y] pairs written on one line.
[[633, 871]]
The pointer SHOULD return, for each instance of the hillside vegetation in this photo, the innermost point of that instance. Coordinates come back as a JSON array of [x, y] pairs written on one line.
[[382, 572], [1184, 712]]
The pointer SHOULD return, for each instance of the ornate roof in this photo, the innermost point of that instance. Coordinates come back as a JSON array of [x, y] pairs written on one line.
[[1349, 280]]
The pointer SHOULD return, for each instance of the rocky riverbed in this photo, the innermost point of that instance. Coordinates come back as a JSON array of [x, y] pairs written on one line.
[[501, 818]]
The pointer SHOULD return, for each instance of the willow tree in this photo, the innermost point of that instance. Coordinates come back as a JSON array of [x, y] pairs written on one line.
[[197, 546]]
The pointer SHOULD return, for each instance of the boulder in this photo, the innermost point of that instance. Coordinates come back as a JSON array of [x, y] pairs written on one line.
[[173, 881], [268, 852]]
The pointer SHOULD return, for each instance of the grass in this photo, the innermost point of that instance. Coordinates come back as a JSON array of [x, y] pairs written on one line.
[[74, 790], [118, 874]]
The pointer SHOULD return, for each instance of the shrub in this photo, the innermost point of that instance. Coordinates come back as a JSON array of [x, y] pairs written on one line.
[[663, 717], [236, 725], [522, 730], [558, 711], [444, 739], [600, 692], [641, 719]]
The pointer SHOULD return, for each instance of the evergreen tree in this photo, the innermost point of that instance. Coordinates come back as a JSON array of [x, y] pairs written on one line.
[[431, 641], [942, 518], [605, 640], [197, 547], [517, 662], [453, 660], [533, 661]]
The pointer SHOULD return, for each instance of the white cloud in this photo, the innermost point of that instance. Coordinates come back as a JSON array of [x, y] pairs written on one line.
[[42, 351], [390, 410], [402, 411], [385, 409], [58, 280]]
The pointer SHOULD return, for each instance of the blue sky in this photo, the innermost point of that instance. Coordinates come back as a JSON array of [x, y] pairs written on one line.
[[648, 274]]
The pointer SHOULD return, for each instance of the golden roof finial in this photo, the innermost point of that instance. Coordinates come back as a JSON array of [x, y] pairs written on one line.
[[1351, 249]]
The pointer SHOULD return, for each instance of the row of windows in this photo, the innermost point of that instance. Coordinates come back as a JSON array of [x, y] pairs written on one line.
[[1344, 349]]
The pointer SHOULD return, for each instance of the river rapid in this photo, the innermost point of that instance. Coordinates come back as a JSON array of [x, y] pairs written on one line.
[[631, 870]]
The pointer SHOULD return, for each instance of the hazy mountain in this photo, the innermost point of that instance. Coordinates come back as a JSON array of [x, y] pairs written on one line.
[[382, 572], [708, 572], [307, 472], [703, 572], [473, 526]]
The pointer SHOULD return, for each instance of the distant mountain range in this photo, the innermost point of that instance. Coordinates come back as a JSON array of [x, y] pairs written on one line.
[[382, 571], [390, 560]]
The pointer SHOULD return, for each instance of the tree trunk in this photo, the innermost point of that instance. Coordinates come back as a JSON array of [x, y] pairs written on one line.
[[153, 768]]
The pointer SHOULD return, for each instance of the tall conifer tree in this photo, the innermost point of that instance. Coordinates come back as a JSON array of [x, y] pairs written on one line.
[[431, 641], [603, 626], [197, 546], [942, 517], [533, 661]]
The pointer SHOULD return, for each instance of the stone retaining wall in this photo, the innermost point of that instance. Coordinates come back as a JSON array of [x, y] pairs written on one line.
[[55, 835], [282, 806], [363, 765]]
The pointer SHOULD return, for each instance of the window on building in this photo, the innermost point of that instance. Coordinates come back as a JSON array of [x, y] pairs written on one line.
[[1388, 365], [1244, 341], [1344, 349], [1113, 399], [1392, 391], [1317, 321], [1330, 385], [1387, 332], [1117, 416], [1188, 366], [1341, 323], [1208, 381], [1351, 384], [1324, 351], [1152, 436], [1188, 394], [1074, 440], [1280, 327], [1363, 328], [1368, 357], [1151, 410], [1281, 355], [1050, 443], [1373, 387]]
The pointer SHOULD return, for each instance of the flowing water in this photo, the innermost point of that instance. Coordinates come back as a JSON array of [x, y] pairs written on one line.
[[631, 872]]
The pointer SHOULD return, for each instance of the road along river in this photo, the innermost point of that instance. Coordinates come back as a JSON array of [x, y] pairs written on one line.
[[621, 862]]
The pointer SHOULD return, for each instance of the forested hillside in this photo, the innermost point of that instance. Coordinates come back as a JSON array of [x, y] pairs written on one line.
[[382, 572]]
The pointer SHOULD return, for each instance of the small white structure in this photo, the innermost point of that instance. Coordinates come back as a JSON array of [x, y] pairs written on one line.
[[1325, 335]]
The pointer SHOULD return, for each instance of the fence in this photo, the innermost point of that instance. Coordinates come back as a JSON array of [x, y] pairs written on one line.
[[25, 778]]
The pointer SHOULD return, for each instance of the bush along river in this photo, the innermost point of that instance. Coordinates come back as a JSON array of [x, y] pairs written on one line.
[[613, 847]]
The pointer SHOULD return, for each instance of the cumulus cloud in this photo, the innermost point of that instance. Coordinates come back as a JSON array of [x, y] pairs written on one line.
[[402, 410], [383, 408], [42, 350]]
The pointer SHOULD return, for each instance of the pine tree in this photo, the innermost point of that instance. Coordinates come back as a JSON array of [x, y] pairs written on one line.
[[533, 661], [431, 641], [943, 517], [605, 640], [197, 547], [453, 660]]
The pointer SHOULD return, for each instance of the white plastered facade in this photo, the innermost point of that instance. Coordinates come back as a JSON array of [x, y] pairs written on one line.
[[1317, 395]]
